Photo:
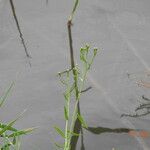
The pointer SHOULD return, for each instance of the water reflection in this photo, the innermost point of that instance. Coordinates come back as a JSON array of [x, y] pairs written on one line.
[[142, 110], [77, 129], [95, 130], [100, 130], [20, 31], [142, 80]]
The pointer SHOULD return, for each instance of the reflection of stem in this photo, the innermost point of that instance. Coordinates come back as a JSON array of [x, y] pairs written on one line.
[[77, 129], [69, 25], [100, 130], [18, 27], [82, 139]]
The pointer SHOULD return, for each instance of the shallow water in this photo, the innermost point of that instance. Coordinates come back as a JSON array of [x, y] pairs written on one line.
[[120, 29]]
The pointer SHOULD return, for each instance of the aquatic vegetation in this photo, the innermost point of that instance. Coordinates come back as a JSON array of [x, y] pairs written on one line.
[[9, 135], [74, 80]]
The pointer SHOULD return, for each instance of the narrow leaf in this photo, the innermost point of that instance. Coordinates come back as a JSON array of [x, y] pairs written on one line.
[[7, 127], [75, 7], [3, 98], [73, 133], [82, 121], [66, 96], [59, 131], [4, 126], [59, 145], [66, 113], [21, 132]]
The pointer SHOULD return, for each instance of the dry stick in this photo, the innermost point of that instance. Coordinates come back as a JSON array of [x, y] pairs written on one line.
[[77, 127], [18, 27]]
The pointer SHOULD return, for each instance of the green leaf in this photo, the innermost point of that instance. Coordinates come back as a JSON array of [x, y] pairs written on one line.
[[3, 98], [21, 132], [10, 128], [7, 127], [73, 133], [75, 7], [82, 121], [82, 58], [95, 51], [59, 145], [66, 113], [6, 146], [59, 131], [67, 96]]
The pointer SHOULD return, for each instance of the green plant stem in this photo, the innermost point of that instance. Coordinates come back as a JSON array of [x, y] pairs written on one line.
[[74, 71], [76, 108], [68, 110]]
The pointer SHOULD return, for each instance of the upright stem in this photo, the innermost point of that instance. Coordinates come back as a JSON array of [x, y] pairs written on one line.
[[75, 125]]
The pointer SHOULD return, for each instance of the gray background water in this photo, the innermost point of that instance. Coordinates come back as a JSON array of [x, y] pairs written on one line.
[[119, 28]]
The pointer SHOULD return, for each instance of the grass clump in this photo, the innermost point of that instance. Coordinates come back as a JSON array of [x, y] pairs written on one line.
[[10, 136]]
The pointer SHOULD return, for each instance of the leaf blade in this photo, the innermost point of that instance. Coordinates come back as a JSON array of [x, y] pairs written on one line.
[[59, 131], [81, 119]]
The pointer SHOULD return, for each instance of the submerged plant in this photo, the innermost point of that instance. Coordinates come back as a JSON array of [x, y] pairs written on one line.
[[74, 81], [9, 135]]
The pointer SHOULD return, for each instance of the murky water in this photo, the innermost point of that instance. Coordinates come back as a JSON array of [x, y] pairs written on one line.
[[119, 77]]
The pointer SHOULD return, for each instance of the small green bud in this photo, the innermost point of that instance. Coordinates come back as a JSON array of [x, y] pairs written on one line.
[[95, 51]]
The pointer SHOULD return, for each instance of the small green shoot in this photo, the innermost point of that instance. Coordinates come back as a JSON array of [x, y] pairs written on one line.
[[74, 80]]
